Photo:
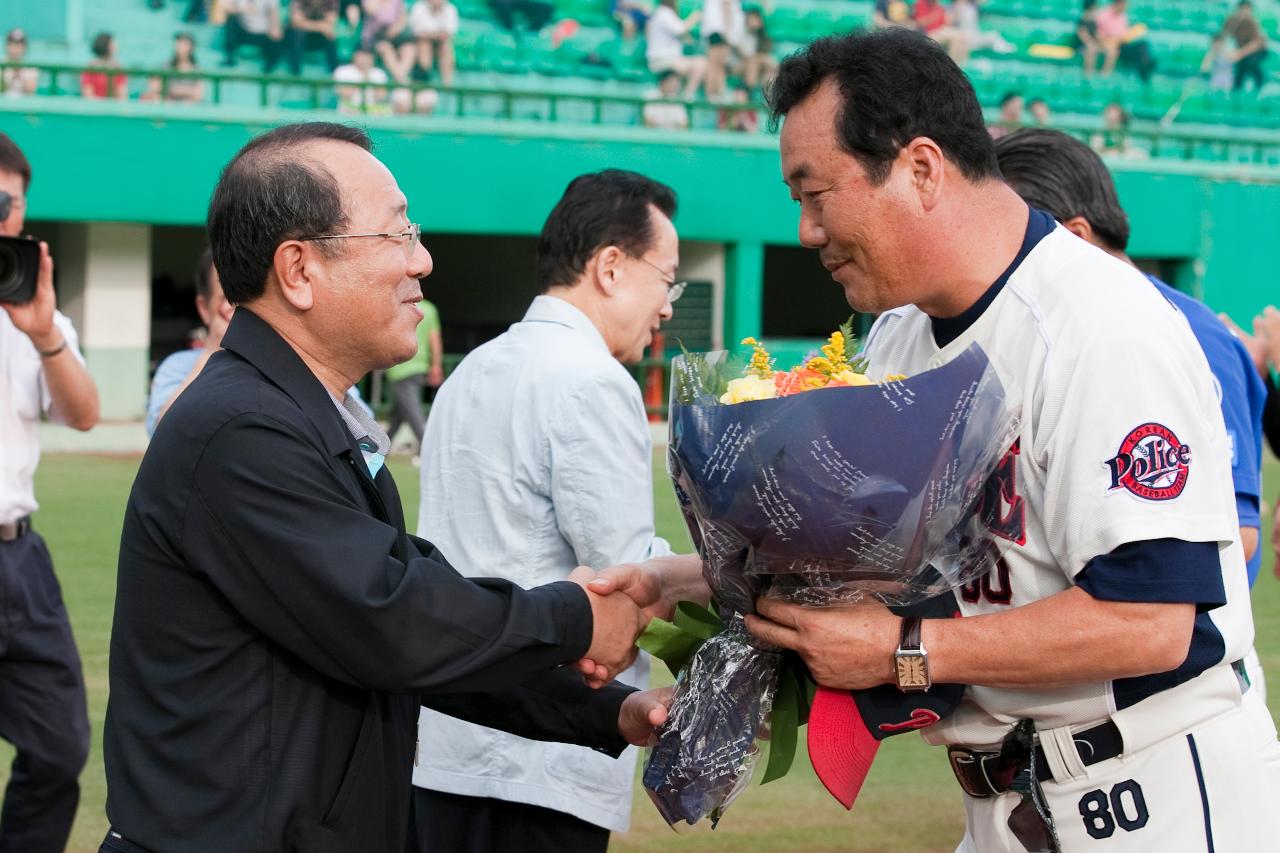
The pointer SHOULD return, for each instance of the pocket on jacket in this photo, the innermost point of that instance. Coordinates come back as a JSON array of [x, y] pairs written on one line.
[[351, 778]]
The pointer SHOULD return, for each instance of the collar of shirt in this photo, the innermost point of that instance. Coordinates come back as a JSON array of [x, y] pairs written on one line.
[[552, 309], [372, 440]]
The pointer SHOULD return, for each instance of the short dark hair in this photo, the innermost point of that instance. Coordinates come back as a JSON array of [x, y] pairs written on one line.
[[897, 85], [204, 274], [13, 160], [101, 45], [268, 194], [1009, 96], [1064, 177], [607, 208]]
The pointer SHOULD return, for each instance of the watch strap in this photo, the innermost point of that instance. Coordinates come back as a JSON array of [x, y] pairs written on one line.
[[909, 640]]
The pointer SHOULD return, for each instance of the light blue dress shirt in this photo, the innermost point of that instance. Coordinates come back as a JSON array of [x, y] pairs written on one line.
[[537, 459]]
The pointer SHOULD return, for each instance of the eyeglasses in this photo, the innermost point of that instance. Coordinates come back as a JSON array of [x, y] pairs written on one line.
[[675, 289], [412, 237]]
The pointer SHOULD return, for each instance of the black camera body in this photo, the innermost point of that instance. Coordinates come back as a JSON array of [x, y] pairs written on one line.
[[19, 267]]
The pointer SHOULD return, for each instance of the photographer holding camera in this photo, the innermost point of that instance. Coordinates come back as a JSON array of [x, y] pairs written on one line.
[[42, 697]]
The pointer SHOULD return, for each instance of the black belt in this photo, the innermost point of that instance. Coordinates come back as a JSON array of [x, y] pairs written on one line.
[[12, 531], [985, 774]]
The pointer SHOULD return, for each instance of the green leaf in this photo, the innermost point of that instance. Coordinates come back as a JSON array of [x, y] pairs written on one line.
[[698, 621], [668, 643], [783, 727]]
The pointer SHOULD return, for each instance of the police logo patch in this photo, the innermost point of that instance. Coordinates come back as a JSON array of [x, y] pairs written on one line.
[[1151, 463]]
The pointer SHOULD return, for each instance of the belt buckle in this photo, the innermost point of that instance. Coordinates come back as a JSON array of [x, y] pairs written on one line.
[[13, 531], [970, 769]]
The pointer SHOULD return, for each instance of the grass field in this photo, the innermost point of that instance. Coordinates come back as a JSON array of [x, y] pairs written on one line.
[[910, 802]]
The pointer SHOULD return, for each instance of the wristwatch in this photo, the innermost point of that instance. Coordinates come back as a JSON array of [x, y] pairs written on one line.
[[911, 661]]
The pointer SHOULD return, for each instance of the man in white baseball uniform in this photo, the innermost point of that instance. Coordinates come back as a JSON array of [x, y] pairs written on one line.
[[1104, 707]]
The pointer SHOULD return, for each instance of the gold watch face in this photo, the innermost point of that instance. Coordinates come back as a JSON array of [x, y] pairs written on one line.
[[912, 671]]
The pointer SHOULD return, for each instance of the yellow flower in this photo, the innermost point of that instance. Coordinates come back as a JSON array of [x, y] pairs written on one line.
[[835, 349], [761, 365], [848, 377], [749, 388], [822, 365]]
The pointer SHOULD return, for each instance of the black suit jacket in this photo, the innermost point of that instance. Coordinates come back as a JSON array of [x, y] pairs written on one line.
[[276, 629]]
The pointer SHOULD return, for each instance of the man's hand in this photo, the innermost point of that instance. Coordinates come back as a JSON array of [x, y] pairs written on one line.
[[642, 713], [847, 648], [435, 376], [656, 585], [35, 318], [616, 622]]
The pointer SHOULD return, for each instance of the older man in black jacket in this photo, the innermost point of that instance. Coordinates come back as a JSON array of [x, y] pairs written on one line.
[[263, 697]]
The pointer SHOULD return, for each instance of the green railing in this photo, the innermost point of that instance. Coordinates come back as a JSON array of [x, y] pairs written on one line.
[[274, 90]]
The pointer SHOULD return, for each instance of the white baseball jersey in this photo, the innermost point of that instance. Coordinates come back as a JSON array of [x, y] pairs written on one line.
[[1122, 441]]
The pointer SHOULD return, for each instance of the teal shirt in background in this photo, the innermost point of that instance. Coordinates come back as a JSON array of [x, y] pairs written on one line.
[[421, 362]]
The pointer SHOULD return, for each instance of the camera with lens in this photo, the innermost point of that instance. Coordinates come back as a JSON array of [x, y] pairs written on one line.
[[19, 266]]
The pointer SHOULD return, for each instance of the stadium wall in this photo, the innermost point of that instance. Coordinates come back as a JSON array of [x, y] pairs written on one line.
[[108, 173]]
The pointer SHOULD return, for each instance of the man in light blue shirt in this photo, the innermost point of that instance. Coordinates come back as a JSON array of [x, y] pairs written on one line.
[[537, 459], [180, 369]]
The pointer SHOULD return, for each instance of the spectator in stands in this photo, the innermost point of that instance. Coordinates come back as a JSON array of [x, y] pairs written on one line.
[[892, 13], [434, 24], [184, 90], [932, 19], [534, 13], [355, 98], [1218, 64], [662, 112], [99, 82], [625, 52], [1113, 141], [1011, 106], [1039, 110], [964, 18], [740, 120], [1122, 42], [633, 10], [181, 368], [1251, 46], [1086, 36], [386, 31], [724, 30], [351, 11], [313, 25], [18, 80], [758, 62], [667, 34], [255, 22]]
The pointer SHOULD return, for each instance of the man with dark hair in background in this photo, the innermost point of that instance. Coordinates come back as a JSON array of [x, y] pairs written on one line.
[[537, 459], [42, 700], [1103, 707], [1064, 177], [180, 369], [276, 630]]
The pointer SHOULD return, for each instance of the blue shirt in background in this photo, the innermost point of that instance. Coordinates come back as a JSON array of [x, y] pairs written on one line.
[[1242, 396]]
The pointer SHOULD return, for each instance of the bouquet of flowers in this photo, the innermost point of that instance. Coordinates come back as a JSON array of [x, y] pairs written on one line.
[[820, 486]]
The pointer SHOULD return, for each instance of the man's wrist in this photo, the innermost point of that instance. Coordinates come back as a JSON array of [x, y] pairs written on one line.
[[48, 341]]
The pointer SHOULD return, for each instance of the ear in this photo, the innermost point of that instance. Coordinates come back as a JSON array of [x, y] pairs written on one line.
[[295, 265], [927, 164], [202, 308], [1080, 227], [605, 266]]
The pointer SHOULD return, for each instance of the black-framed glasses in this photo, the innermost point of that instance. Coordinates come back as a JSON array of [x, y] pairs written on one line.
[[411, 236], [675, 289]]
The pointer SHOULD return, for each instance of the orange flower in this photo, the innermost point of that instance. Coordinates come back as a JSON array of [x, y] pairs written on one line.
[[798, 379]]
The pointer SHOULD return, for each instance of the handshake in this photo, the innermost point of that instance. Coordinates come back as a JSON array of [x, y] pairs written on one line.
[[623, 600]]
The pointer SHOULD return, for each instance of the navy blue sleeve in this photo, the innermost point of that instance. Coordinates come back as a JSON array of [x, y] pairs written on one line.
[[1158, 571]]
